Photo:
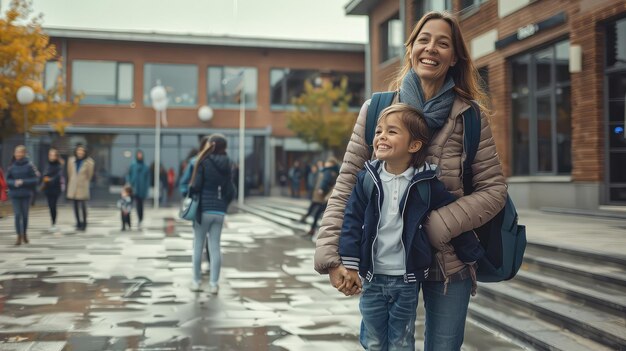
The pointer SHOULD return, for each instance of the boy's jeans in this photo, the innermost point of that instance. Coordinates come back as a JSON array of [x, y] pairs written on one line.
[[388, 306], [211, 226]]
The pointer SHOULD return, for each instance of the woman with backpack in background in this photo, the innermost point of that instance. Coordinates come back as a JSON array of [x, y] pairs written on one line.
[[439, 78], [211, 181], [80, 170], [53, 183], [22, 178]]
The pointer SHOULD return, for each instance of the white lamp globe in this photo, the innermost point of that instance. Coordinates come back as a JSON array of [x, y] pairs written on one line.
[[159, 105], [158, 94], [25, 95], [205, 113]]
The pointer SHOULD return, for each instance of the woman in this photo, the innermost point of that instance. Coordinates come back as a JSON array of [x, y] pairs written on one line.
[[53, 182], [139, 180], [211, 181], [80, 170], [22, 178], [439, 78], [3, 192]]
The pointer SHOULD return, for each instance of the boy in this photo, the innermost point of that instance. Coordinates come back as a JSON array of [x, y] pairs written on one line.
[[382, 239], [125, 204]]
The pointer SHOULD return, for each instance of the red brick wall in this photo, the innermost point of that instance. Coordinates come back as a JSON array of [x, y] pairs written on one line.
[[202, 56]]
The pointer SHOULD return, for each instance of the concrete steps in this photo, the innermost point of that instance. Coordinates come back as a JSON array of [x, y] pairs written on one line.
[[562, 298]]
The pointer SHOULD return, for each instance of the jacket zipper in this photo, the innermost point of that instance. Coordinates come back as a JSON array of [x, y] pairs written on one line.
[[377, 224], [406, 253]]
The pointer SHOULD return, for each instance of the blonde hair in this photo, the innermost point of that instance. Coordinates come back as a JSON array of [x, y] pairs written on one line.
[[413, 121], [464, 74]]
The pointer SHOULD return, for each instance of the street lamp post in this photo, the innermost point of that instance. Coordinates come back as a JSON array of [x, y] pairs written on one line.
[[159, 103], [25, 95]]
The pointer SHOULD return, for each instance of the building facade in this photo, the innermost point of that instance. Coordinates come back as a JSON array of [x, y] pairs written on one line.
[[556, 74], [114, 73]]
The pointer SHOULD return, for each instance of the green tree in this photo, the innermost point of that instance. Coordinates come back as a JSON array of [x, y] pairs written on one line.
[[321, 115], [24, 51]]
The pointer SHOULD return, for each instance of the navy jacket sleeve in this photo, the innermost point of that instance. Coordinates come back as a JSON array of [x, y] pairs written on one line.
[[439, 195], [10, 178], [352, 229]]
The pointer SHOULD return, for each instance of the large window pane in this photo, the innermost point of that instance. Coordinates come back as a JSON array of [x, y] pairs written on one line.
[[392, 35], [51, 74], [102, 82], [520, 75], [287, 84], [544, 135], [521, 136], [180, 82], [226, 83], [564, 129], [96, 80], [543, 68], [125, 82], [616, 43], [356, 86], [562, 61]]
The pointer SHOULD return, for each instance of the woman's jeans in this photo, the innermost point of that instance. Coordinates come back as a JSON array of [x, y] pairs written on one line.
[[210, 227], [21, 205], [388, 307], [445, 314], [52, 205]]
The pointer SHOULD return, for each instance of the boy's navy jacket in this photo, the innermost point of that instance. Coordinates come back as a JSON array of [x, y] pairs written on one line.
[[25, 170], [362, 218]]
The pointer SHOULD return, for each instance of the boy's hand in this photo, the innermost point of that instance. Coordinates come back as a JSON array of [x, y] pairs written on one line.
[[351, 283]]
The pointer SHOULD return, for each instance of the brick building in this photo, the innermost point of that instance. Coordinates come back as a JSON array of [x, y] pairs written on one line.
[[556, 74], [116, 71]]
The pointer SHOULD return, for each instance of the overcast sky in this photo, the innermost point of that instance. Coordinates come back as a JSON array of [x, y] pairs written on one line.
[[318, 20]]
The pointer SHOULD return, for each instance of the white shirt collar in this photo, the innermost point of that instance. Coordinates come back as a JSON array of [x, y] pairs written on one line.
[[386, 176]]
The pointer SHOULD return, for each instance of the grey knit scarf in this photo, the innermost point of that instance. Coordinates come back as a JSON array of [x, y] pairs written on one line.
[[437, 109]]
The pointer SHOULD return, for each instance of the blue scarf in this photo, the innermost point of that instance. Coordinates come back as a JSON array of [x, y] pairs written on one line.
[[437, 109]]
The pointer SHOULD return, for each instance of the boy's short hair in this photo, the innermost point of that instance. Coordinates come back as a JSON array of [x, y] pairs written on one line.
[[413, 121], [128, 190]]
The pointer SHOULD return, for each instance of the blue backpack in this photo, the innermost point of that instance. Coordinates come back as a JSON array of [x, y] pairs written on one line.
[[503, 239]]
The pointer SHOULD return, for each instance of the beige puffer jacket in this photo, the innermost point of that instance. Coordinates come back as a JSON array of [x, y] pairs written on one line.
[[446, 151]]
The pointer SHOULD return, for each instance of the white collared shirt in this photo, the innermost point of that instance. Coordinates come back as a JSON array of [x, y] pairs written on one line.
[[389, 253]]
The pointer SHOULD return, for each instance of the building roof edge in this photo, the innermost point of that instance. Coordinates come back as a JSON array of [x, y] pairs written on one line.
[[195, 39]]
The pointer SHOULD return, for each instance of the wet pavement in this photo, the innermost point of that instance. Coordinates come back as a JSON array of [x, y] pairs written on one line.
[[109, 290]]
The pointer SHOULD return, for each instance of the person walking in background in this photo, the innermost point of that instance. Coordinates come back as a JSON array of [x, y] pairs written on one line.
[[295, 176], [171, 180], [139, 179], [53, 183], [22, 178], [321, 193], [311, 180], [80, 171], [125, 204], [211, 180], [438, 77], [3, 192]]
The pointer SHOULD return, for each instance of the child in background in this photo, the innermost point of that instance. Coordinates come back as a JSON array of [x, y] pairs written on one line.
[[125, 204], [382, 240]]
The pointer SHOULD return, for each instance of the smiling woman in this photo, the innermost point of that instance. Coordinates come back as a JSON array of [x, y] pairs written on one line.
[[438, 78]]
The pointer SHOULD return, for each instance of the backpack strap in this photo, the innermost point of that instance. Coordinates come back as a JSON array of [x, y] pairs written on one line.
[[471, 139], [379, 102]]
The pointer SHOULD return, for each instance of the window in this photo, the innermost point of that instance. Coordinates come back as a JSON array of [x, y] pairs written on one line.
[[541, 105], [286, 84], [103, 82], [225, 84], [616, 109], [51, 75], [180, 82], [356, 86], [421, 7], [392, 38], [469, 7]]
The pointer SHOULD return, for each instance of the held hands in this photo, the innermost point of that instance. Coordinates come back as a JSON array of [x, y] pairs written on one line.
[[46, 179], [18, 183], [345, 280]]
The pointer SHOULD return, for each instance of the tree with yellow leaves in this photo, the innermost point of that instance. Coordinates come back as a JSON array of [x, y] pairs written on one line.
[[24, 51], [321, 115]]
